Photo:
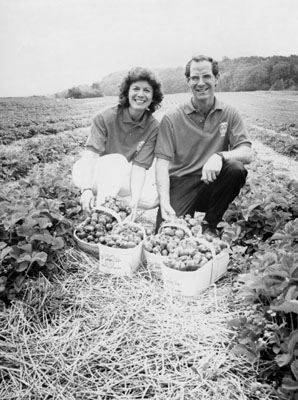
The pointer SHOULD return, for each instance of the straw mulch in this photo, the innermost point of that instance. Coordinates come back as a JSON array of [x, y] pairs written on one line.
[[93, 336]]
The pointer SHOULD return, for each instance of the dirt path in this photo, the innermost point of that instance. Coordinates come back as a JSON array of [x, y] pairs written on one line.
[[282, 165]]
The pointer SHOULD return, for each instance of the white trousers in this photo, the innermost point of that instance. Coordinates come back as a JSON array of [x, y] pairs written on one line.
[[111, 177]]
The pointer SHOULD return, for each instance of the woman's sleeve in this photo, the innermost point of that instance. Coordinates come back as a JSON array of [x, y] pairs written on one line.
[[98, 135]]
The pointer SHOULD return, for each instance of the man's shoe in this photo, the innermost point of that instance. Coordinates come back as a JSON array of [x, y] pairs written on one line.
[[207, 230]]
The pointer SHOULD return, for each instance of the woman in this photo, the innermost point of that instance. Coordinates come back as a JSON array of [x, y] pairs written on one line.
[[120, 146]]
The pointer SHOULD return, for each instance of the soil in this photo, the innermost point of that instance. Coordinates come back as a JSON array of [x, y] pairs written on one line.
[[282, 165]]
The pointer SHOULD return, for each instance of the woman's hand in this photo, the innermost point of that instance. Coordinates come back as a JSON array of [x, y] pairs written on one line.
[[167, 211], [87, 200]]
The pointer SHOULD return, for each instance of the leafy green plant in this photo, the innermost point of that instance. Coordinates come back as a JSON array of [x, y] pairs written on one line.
[[262, 208], [33, 232], [14, 166], [269, 330]]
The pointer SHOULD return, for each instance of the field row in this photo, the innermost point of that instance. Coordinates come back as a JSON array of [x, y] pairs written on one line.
[[29, 117], [270, 116]]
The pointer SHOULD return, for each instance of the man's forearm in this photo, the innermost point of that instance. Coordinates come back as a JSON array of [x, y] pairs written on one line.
[[163, 180], [242, 153]]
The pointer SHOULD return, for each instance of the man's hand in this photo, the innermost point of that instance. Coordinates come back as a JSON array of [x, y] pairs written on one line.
[[87, 200], [167, 212], [212, 168]]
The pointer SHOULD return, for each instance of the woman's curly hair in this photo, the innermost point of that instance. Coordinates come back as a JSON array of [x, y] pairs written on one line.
[[141, 74]]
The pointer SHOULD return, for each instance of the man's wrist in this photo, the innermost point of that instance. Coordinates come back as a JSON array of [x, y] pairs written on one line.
[[220, 154]]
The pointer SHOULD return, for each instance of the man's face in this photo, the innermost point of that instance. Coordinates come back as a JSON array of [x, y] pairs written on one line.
[[202, 82]]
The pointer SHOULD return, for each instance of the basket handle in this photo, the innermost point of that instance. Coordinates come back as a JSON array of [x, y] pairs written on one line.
[[206, 243], [109, 211]]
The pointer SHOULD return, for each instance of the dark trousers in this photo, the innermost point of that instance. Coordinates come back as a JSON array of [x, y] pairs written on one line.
[[189, 194]]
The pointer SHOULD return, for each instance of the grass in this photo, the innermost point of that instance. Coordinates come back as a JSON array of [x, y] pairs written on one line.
[[92, 336]]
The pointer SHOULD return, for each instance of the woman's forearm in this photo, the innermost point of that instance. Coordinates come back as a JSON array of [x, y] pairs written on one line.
[[137, 180]]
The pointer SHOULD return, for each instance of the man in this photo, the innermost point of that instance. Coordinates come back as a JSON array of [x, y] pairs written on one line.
[[200, 151]]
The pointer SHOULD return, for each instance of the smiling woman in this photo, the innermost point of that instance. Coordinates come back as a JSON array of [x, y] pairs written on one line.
[[140, 97], [120, 146]]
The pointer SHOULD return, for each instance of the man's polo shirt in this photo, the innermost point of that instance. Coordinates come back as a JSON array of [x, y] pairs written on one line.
[[114, 131], [187, 139]]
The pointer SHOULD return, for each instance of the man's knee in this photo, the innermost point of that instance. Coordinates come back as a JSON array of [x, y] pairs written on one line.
[[235, 170]]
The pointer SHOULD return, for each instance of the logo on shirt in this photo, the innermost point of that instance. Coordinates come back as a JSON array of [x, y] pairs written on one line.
[[223, 127], [139, 146]]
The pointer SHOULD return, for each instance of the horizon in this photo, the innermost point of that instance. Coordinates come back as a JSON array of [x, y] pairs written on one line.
[[53, 45], [52, 95]]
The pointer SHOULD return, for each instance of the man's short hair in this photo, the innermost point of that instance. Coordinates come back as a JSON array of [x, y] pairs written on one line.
[[199, 58]]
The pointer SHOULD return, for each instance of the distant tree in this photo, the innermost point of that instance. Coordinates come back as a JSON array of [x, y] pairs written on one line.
[[110, 83], [278, 85], [84, 91], [238, 74], [173, 80], [225, 82], [74, 93], [96, 85], [281, 70], [291, 85], [255, 78]]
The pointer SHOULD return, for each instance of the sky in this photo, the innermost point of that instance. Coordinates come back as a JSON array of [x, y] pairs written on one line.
[[47, 46]]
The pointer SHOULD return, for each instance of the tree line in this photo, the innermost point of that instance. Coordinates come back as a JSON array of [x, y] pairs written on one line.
[[259, 73], [239, 74]]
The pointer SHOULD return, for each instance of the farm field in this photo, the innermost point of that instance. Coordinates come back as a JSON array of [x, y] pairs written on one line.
[[69, 332], [275, 109]]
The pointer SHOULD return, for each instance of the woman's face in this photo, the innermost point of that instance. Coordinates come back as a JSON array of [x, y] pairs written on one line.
[[140, 95]]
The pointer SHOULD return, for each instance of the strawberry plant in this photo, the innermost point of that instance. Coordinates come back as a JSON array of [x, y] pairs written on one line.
[[32, 233], [18, 160], [26, 118], [14, 166], [269, 330], [263, 207]]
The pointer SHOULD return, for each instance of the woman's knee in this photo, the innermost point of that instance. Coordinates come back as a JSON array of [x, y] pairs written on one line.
[[78, 172], [111, 164]]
